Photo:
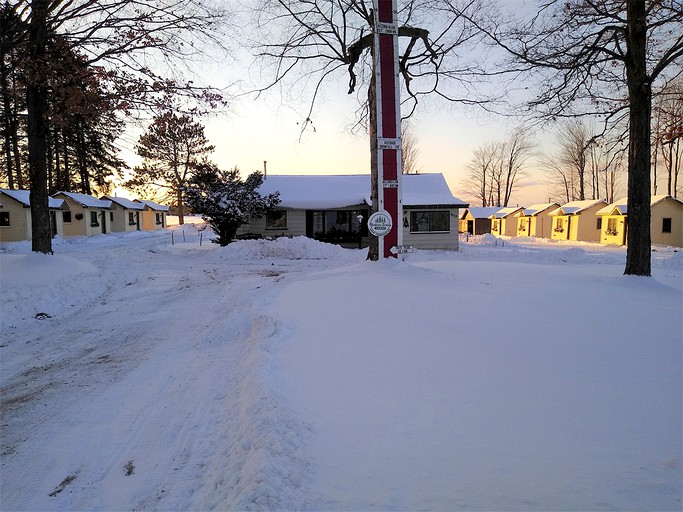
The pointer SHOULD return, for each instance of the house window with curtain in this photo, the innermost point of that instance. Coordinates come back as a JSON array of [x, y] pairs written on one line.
[[430, 221], [611, 226], [131, 219], [94, 221], [4, 219]]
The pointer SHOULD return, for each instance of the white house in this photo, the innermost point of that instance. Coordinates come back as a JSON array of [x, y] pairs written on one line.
[[335, 208]]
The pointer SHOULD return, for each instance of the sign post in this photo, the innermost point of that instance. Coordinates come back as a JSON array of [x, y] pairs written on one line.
[[388, 124]]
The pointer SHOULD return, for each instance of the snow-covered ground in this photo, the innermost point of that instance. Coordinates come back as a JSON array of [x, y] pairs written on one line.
[[288, 375]]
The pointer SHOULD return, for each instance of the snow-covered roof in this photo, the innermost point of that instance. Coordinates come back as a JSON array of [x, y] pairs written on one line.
[[506, 211], [24, 197], [428, 190], [621, 206], [482, 212], [86, 200], [576, 207], [152, 205], [125, 203], [338, 191], [535, 209]]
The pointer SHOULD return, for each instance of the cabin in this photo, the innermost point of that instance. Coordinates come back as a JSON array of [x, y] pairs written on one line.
[[335, 209], [577, 220], [15, 215], [477, 220], [504, 221], [153, 215], [86, 215], [666, 221], [535, 221], [124, 215]]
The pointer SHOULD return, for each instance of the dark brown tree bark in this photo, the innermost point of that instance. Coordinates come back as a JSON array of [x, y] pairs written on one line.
[[36, 102], [640, 100]]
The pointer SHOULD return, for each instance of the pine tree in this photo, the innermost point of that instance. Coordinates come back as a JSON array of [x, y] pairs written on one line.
[[226, 202]]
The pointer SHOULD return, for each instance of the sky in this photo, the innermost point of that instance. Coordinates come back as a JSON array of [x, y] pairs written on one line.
[[252, 131], [142, 373]]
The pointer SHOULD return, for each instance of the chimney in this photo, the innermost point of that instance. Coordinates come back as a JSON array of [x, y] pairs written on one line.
[[265, 169]]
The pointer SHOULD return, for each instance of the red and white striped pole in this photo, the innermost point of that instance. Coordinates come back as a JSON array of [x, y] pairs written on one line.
[[388, 124]]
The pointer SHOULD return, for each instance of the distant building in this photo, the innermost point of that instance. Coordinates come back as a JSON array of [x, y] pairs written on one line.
[[86, 215], [577, 221], [335, 208], [504, 221], [125, 215], [15, 215], [666, 221], [477, 220], [535, 221], [153, 215]]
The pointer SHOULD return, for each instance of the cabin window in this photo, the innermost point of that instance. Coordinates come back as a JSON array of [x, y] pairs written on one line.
[[4, 219], [158, 217], [276, 220], [336, 225], [111, 216], [94, 221], [494, 227], [66, 216], [131, 219], [430, 222], [559, 225], [599, 223], [666, 225], [612, 227]]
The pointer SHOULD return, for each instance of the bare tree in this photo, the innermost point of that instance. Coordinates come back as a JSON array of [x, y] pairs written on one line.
[[305, 44], [600, 57], [410, 150], [478, 181], [496, 168], [133, 44], [668, 132]]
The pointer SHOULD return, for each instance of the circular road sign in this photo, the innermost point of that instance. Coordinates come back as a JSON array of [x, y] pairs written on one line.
[[379, 223]]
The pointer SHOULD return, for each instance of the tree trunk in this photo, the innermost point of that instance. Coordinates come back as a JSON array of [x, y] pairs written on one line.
[[179, 205], [7, 121], [638, 258], [36, 92]]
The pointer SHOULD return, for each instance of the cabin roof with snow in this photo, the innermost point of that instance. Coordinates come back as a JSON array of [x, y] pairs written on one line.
[[312, 192], [620, 207], [537, 209], [24, 197], [481, 212], [152, 205], [576, 207], [506, 211], [125, 203], [85, 200]]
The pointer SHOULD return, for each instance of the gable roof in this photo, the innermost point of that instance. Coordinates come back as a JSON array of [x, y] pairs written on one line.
[[125, 203], [620, 207], [24, 197], [311, 192], [152, 205], [481, 212], [506, 211], [86, 200], [576, 207], [536, 209]]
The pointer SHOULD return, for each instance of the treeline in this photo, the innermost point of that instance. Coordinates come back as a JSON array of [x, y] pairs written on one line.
[[82, 124]]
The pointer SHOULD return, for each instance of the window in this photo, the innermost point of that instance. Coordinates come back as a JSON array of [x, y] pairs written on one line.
[[4, 219], [559, 225], [494, 227], [599, 223], [158, 217], [276, 220], [430, 222], [336, 225], [94, 221], [666, 225], [131, 219], [66, 216], [111, 216], [611, 226]]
